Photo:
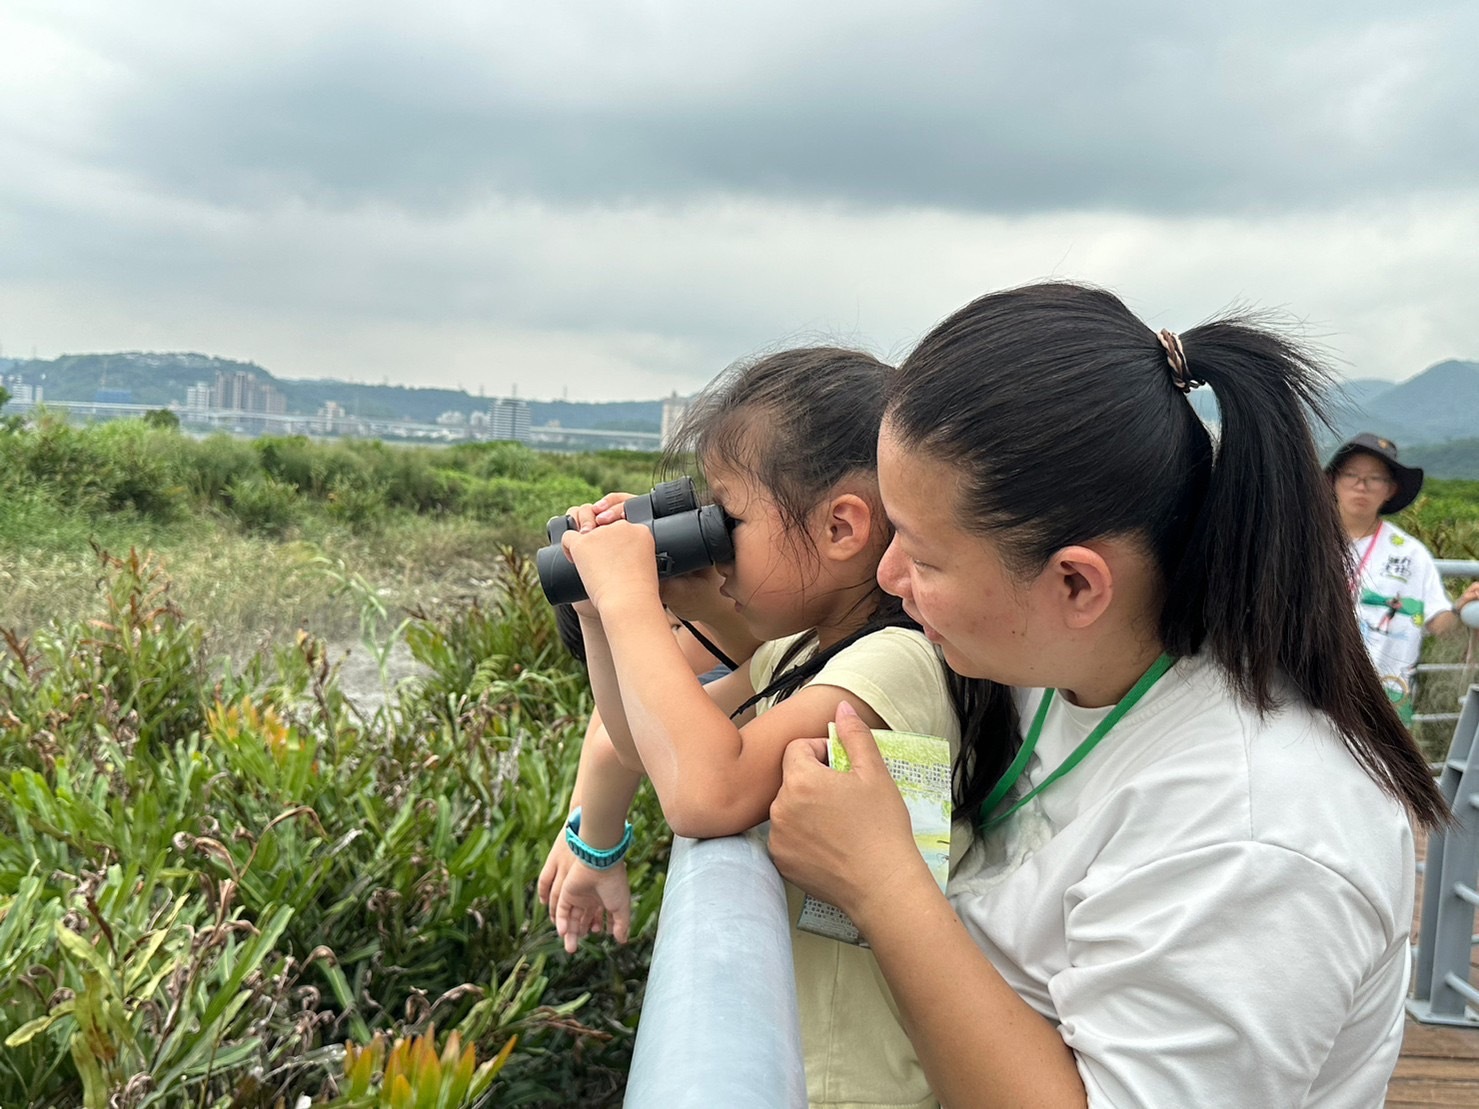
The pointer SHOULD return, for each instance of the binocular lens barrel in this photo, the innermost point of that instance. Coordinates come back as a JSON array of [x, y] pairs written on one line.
[[688, 537]]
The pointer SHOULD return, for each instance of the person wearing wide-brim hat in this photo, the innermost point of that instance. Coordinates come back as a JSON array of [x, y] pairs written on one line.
[[1394, 582]]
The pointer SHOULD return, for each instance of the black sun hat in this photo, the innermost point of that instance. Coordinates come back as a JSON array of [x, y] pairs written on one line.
[[1409, 479]]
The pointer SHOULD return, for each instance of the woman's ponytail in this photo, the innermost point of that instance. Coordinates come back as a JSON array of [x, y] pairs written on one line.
[[1263, 582]]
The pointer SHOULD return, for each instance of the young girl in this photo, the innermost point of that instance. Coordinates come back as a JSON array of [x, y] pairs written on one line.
[[1218, 907], [788, 448]]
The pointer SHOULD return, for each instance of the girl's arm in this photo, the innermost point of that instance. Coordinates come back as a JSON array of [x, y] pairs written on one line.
[[606, 689], [693, 596], [581, 898], [603, 791], [712, 777], [1001, 1052]]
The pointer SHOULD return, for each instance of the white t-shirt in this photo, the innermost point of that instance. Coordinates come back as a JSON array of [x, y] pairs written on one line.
[[1399, 591], [1213, 907]]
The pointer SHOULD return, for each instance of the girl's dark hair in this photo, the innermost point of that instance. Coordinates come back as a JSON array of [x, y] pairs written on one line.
[[1057, 407], [567, 626], [797, 422]]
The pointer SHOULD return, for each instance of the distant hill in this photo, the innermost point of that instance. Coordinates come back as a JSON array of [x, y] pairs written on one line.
[[1349, 399], [1458, 458], [162, 379], [1437, 405]]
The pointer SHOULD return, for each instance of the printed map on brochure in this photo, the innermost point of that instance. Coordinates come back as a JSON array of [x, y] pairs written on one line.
[[920, 764]]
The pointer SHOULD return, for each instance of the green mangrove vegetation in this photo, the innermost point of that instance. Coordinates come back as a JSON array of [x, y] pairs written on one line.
[[217, 869], [226, 880]]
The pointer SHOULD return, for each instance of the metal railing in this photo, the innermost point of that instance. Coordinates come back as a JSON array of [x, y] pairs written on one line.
[[719, 1020], [1442, 990], [1448, 568]]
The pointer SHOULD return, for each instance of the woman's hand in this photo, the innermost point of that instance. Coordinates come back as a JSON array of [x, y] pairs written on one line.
[[1467, 597], [844, 837]]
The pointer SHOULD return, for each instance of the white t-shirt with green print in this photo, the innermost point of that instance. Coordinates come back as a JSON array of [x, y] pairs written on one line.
[[1399, 591]]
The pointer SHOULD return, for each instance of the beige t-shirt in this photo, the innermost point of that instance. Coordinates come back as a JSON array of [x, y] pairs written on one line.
[[857, 1055]]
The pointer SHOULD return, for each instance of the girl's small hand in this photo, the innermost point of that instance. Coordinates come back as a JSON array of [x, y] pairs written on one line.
[[552, 877], [592, 901], [619, 560], [586, 518], [609, 509], [843, 837], [612, 507], [1467, 597]]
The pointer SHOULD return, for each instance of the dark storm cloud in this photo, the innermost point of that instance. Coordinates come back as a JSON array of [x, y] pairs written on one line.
[[984, 107], [620, 197]]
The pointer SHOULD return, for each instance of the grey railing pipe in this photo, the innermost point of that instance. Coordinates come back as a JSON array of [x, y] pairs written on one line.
[[1457, 567], [1450, 568], [1446, 929], [719, 1025]]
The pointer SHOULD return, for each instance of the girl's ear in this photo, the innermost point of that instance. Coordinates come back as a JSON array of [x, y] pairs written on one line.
[[1081, 582], [848, 527]]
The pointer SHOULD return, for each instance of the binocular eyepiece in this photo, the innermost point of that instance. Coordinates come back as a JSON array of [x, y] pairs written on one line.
[[689, 536]]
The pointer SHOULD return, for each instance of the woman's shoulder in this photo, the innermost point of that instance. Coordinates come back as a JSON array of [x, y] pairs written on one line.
[[1215, 768]]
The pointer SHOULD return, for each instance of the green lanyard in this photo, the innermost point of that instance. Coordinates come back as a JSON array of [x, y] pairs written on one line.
[[1019, 764]]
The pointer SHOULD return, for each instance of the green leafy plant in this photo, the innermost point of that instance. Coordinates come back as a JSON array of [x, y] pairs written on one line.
[[210, 883]]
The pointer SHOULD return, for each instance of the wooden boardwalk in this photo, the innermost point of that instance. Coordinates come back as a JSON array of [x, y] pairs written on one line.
[[1439, 1065]]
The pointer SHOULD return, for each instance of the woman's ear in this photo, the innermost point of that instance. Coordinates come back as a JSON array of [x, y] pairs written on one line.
[[848, 527], [1081, 582]]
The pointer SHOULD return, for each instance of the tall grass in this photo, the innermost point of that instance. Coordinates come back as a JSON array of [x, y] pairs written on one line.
[[243, 526], [217, 870]]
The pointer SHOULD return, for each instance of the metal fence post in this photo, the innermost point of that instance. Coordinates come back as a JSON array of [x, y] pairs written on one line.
[[719, 1024], [1442, 992]]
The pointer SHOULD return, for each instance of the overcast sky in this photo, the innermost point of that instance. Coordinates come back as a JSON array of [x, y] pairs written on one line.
[[616, 199]]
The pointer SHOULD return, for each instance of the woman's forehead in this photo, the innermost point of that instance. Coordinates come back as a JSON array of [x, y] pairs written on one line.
[[917, 489]]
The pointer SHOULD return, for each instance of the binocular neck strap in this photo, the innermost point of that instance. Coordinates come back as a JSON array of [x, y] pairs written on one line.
[[708, 645]]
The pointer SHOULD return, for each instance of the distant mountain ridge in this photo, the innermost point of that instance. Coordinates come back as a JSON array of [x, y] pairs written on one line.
[[161, 379], [1435, 406]]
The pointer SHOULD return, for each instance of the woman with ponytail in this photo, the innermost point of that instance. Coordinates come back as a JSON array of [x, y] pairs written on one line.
[[1193, 886]]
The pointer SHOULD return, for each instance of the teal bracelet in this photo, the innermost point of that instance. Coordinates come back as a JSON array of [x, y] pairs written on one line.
[[593, 857]]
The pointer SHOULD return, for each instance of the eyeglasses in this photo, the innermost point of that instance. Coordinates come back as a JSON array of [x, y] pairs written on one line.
[[1364, 481]]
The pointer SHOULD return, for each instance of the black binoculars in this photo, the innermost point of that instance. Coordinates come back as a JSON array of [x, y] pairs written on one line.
[[689, 536]]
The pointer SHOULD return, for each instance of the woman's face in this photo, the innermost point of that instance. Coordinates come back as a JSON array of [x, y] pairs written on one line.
[[987, 622], [1362, 485]]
